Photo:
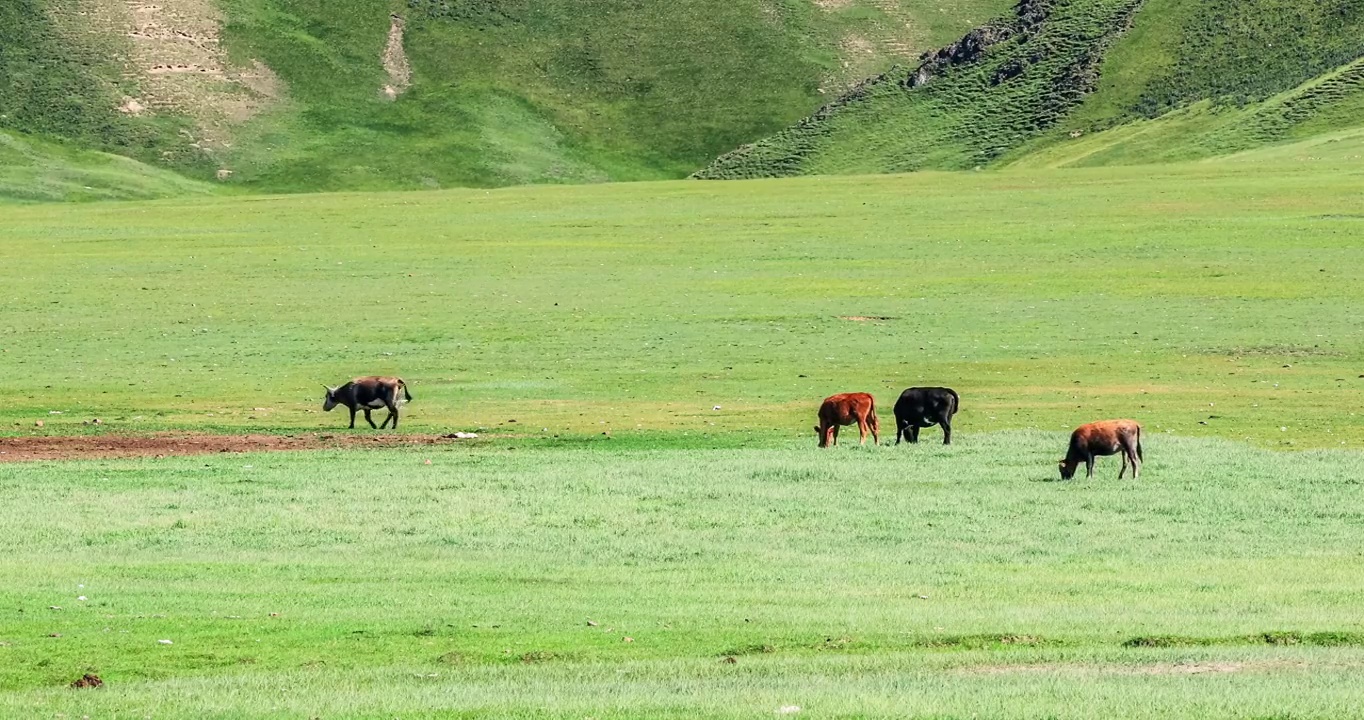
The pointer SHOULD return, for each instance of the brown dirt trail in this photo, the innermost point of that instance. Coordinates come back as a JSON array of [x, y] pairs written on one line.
[[96, 447]]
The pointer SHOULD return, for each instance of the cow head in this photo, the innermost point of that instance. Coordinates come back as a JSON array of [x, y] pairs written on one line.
[[1068, 468], [330, 401]]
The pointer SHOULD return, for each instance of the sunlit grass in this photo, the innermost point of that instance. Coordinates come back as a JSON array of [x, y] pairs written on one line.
[[839, 581]]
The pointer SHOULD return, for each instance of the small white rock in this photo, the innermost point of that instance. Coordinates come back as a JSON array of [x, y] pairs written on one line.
[[788, 709], [81, 598], [165, 642]]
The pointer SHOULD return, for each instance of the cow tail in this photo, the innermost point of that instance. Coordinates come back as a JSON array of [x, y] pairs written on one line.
[[956, 400], [1139, 456], [407, 395]]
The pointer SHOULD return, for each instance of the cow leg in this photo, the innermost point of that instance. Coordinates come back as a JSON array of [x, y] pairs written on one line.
[[899, 430], [946, 422], [392, 415], [875, 430], [1124, 464], [862, 431], [914, 434], [370, 420], [1136, 465], [352, 418], [834, 430], [1089, 466]]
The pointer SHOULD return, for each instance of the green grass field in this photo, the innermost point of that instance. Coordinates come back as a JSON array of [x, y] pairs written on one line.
[[698, 325], [927, 582], [1218, 294]]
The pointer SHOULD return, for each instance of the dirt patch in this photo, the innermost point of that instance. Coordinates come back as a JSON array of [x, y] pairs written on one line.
[[865, 318], [171, 52], [395, 61], [95, 447], [832, 5]]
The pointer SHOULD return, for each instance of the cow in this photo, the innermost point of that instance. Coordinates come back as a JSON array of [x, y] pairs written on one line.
[[369, 393], [846, 409], [1107, 437], [925, 407]]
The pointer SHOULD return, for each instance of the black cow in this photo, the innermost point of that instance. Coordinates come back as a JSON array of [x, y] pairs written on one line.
[[368, 393], [925, 407]]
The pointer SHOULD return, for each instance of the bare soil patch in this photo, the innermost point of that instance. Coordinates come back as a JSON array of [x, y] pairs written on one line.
[[94, 447], [395, 61], [174, 63]]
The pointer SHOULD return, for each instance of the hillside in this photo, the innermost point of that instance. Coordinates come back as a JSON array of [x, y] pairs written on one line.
[[299, 95], [32, 170], [1159, 80]]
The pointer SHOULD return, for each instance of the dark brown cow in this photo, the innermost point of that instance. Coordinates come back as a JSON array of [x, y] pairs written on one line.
[[846, 409], [369, 393], [1107, 437]]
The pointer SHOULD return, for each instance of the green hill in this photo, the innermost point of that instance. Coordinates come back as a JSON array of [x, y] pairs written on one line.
[[308, 95], [32, 170], [299, 95], [1091, 82]]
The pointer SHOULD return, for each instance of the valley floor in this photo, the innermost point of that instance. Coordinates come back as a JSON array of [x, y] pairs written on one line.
[[644, 527], [925, 581]]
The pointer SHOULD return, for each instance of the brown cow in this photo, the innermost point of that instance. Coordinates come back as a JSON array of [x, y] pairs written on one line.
[[847, 409], [1107, 437]]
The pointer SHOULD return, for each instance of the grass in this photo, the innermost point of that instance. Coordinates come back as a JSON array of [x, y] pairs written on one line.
[[1204, 300], [661, 348], [1212, 78], [58, 85], [32, 170], [1310, 113], [551, 92], [560, 91], [887, 582], [967, 115]]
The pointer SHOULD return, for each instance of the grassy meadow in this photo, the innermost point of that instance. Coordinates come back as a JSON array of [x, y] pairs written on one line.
[[643, 363], [507, 581], [1205, 300]]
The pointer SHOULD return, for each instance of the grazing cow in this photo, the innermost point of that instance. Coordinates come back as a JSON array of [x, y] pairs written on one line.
[[369, 393], [1108, 437], [847, 409], [925, 407]]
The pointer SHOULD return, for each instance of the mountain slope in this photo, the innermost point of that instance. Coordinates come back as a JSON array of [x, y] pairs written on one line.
[[1207, 129], [1223, 72], [297, 95], [36, 171]]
